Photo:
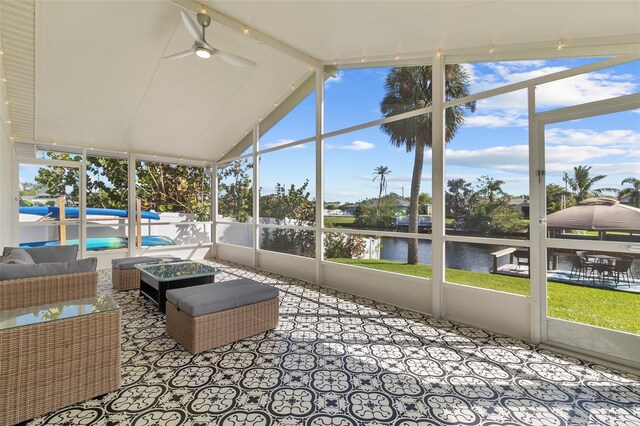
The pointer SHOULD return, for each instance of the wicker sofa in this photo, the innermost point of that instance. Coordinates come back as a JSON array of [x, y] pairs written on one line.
[[53, 275]]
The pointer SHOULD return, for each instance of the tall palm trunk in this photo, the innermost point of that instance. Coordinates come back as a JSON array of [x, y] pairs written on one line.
[[412, 256]]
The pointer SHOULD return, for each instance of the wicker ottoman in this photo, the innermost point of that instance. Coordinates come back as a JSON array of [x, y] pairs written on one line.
[[125, 276], [211, 315]]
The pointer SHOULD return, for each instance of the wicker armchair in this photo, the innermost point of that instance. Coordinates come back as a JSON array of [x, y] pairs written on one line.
[[52, 275]]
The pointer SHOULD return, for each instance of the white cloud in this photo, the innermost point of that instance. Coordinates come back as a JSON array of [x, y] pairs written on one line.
[[358, 146], [281, 142], [584, 88], [628, 168], [590, 137], [579, 154], [496, 120], [513, 158], [575, 90]]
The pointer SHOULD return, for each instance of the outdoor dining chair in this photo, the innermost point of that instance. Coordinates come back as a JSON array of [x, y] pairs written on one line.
[[621, 268], [580, 265]]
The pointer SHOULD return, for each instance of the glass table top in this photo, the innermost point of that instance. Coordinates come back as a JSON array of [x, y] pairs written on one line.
[[169, 271], [56, 311]]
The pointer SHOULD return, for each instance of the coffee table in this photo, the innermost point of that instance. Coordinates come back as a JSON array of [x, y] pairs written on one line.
[[156, 278], [52, 356]]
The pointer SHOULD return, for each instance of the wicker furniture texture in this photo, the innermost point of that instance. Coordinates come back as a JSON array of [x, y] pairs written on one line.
[[36, 291], [125, 279], [197, 334], [50, 365]]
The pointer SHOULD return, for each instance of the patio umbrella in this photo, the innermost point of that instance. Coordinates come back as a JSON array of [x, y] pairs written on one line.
[[597, 214]]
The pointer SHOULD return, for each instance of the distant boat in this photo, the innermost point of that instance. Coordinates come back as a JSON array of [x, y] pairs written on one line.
[[424, 222]]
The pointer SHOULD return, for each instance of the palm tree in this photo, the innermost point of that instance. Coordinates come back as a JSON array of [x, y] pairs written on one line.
[[633, 193], [582, 184], [381, 172], [410, 88], [490, 187]]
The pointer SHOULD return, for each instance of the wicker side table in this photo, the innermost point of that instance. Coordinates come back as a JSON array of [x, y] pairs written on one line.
[[55, 355]]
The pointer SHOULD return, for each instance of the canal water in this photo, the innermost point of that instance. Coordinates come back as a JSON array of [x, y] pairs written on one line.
[[470, 257]]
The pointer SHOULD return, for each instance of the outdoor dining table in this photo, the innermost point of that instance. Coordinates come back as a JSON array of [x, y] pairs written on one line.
[[602, 257], [603, 264]]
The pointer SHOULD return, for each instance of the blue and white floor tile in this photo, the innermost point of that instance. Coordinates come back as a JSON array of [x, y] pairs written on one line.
[[341, 360]]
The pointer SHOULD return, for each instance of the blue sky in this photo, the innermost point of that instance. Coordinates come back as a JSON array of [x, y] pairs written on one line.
[[492, 142]]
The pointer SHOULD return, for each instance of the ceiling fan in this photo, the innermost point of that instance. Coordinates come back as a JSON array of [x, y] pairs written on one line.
[[203, 49]]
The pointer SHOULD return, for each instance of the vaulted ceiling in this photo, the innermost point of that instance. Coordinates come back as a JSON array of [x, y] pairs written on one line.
[[98, 78]]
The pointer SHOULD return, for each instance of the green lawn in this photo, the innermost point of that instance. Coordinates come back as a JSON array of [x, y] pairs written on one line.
[[332, 221], [616, 310]]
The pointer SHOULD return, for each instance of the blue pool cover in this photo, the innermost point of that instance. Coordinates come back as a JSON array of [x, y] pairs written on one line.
[[108, 243]]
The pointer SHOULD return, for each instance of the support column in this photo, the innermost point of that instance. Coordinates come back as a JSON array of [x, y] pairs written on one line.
[[214, 210], [131, 202], [256, 194], [82, 217], [537, 212], [438, 170], [319, 173]]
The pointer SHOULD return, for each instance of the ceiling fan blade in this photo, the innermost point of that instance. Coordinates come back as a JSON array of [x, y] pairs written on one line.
[[180, 54], [235, 60], [192, 27]]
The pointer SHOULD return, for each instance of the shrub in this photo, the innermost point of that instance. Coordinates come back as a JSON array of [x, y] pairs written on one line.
[[339, 245]]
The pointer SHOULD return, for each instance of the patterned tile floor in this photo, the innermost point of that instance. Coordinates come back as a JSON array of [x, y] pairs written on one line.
[[340, 360]]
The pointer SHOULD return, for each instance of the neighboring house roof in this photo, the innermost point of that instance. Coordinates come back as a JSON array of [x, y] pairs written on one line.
[[517, 201]]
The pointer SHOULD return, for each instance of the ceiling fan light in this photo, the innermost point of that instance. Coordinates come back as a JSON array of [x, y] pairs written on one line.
[[203, 53]]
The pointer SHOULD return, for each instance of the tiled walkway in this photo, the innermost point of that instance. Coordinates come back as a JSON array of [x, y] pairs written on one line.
[[340, 360]]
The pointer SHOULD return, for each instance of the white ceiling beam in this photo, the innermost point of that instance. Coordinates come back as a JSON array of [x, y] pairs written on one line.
[[252, 33]]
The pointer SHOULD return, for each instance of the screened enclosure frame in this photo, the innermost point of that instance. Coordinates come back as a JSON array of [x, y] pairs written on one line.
[[438, 237]]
